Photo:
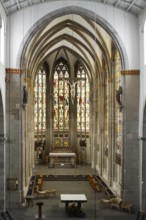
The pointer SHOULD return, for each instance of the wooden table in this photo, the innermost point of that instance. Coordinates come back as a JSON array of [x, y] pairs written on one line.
[[77, 198]]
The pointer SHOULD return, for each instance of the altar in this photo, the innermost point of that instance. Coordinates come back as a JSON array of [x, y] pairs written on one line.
[[62, 158]]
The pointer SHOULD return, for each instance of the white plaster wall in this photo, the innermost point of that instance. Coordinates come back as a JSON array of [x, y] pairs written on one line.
[[2, 67], [2, 88], [142, 103], [124, 23], [142, 18]]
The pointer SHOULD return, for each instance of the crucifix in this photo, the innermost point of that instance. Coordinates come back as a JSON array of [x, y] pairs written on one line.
[[72, 85]]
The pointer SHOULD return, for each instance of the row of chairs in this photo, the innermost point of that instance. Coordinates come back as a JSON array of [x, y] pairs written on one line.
[[98, 185], [46, 192], [113, 203], [104, 187], [93, 183]]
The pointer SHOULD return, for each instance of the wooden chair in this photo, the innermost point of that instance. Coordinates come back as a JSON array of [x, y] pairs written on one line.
[[113, 203], [105, 203], [43, 193], [90, 176], [40, 183], [52, 192], [46, 193], [127, 206], [93, 184], [116, 203]]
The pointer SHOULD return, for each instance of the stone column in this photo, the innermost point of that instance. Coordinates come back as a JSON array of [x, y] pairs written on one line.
[[111, 133], [14, 132], [131, 146], [49, 115]]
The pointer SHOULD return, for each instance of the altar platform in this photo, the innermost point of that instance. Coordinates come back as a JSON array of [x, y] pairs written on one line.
[[60, 158]]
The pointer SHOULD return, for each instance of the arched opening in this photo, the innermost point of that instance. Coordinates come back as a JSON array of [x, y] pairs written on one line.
[[89, 46]]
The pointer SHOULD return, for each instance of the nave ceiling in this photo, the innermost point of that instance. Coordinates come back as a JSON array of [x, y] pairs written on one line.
[[73, 37]]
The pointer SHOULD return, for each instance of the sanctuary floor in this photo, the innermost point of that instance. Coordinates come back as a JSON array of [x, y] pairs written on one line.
[[53, 209]]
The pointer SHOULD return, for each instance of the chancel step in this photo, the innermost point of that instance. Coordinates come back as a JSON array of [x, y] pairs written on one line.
[[65, 177]]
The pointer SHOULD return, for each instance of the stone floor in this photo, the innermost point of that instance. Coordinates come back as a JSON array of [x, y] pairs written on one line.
[[53, 209]]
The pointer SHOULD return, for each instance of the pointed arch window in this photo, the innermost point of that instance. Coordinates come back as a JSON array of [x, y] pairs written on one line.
[[40, 101], [61, 96], [82, 100]]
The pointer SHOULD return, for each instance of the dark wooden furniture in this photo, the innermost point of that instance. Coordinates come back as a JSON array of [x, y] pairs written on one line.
[[127, 206]]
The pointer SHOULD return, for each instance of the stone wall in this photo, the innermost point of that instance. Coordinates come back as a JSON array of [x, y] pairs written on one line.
[[14, 142], [131, 145]]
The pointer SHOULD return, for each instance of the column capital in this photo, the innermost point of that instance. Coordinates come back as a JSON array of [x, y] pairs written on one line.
[[130, 72], [13, 70]]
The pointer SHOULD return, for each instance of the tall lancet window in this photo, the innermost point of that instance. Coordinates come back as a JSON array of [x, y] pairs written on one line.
[[82, 100], [40, 101], [61, 97]]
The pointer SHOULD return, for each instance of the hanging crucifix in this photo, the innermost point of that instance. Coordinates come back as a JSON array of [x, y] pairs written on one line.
[[72, 85]]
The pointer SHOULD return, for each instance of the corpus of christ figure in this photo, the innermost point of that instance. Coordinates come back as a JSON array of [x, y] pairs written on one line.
[[72, 85]]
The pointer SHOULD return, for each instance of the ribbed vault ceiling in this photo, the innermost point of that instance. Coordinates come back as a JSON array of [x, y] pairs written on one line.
[[73, 37], [131, 6]]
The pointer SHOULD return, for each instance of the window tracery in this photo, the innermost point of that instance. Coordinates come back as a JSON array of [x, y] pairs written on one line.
[[61, 97], [40, 101], [82, 100]]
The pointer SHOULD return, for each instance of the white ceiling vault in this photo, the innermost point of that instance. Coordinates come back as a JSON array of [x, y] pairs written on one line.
[[74, 37], [131, 6]]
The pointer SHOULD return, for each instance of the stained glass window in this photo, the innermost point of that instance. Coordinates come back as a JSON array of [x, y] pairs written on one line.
[[61, 97], [82, 100], [40, 101]]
